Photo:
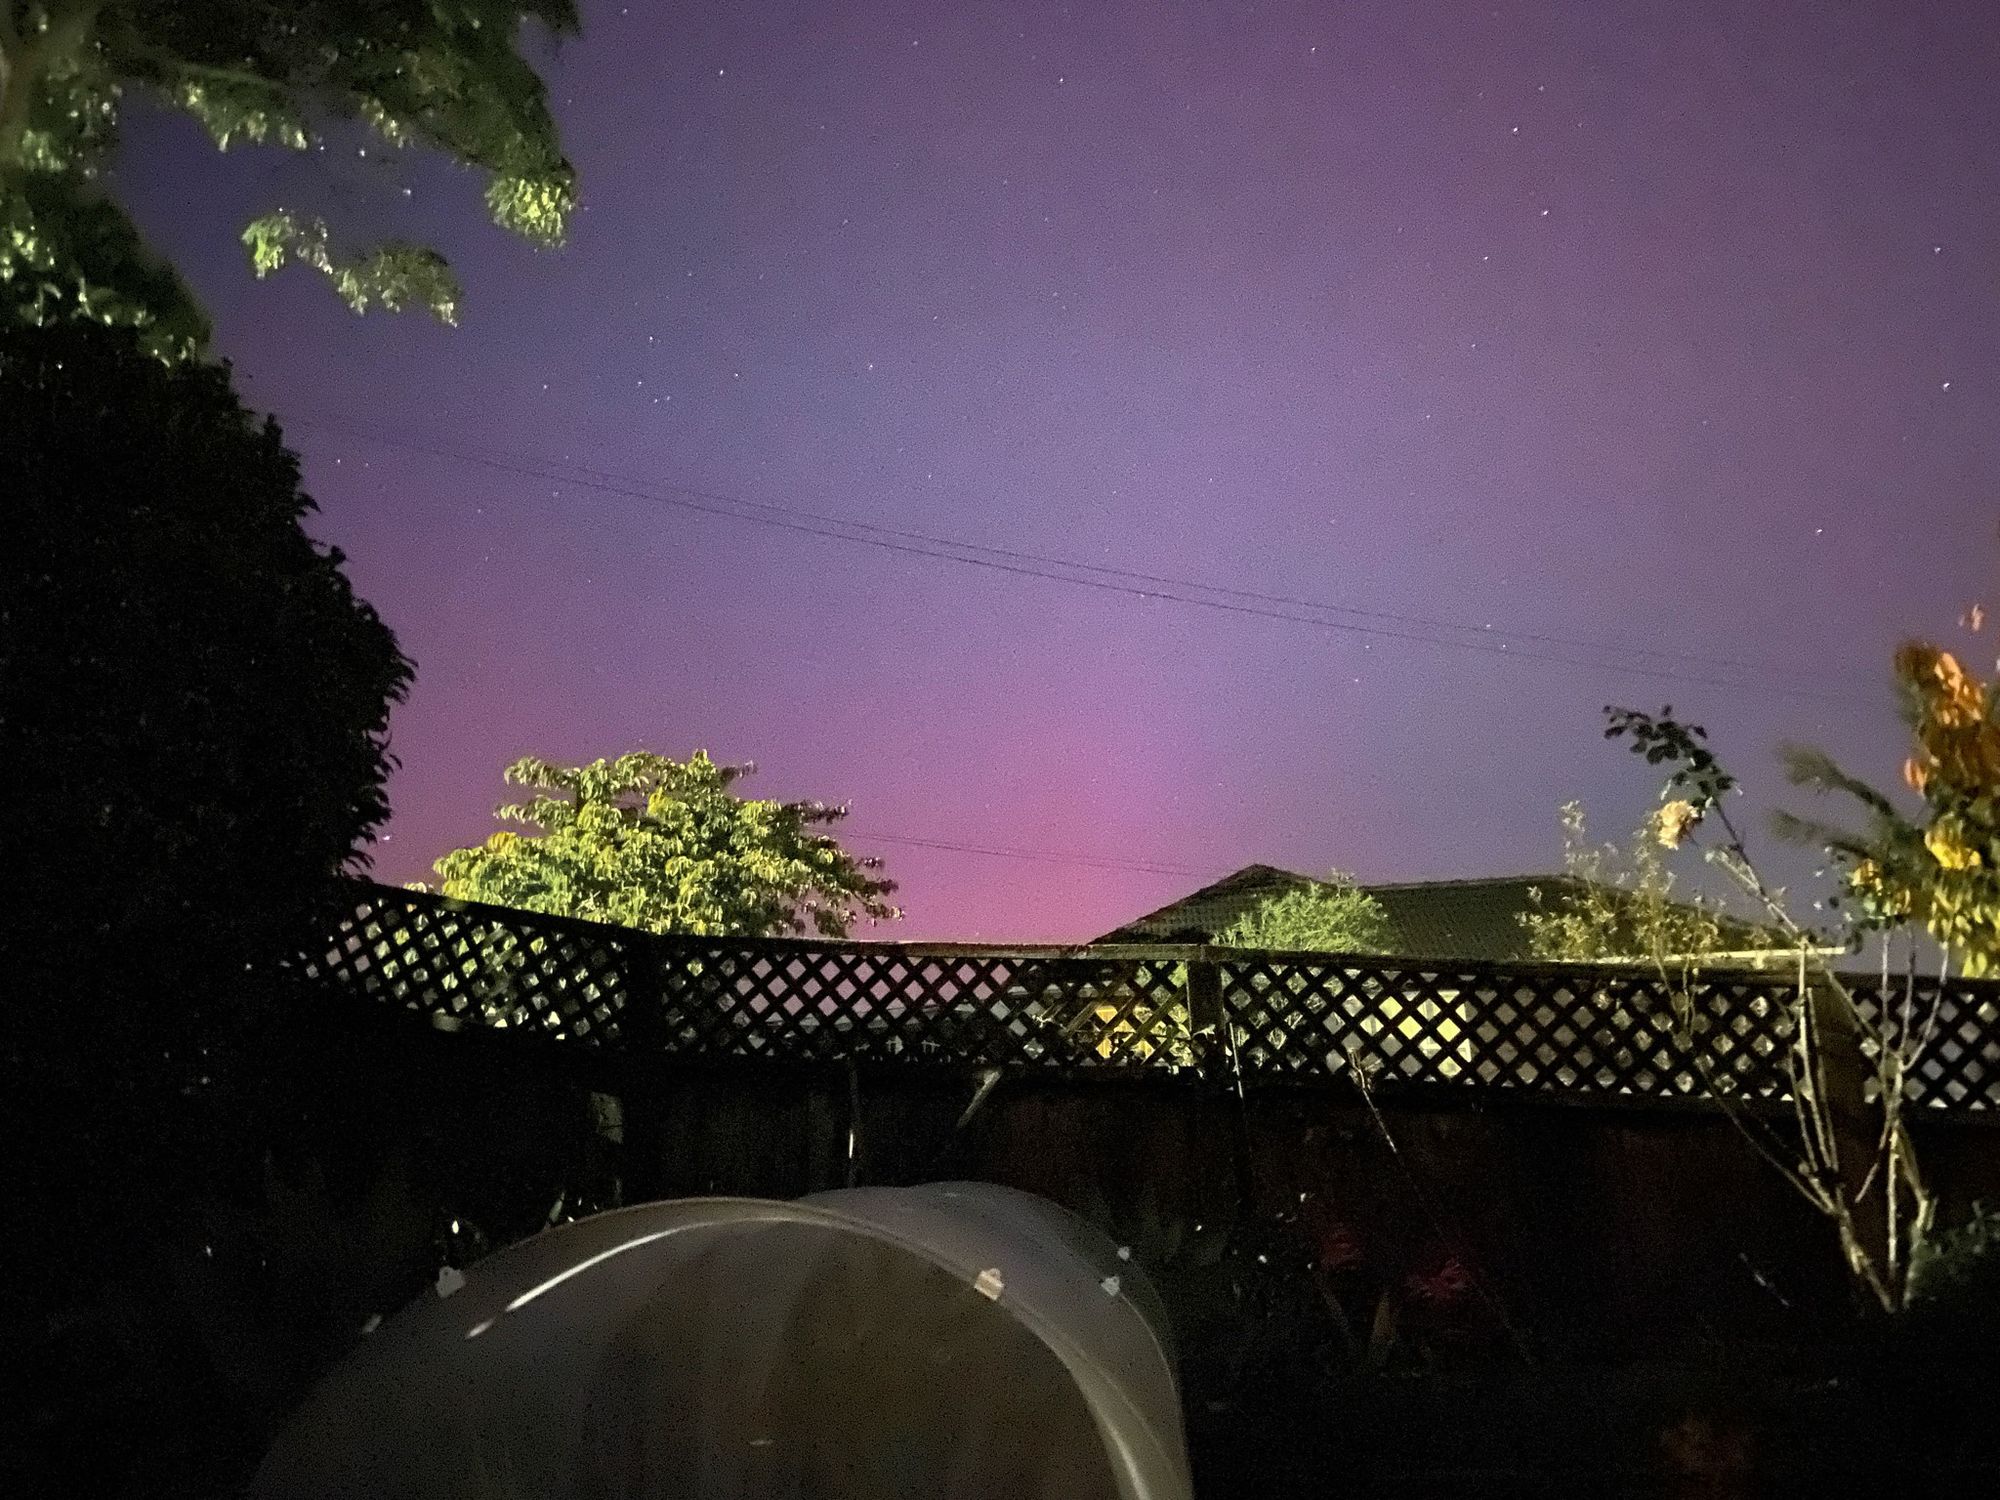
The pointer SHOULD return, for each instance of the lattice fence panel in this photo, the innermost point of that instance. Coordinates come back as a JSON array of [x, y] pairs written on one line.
[[1582, 1029], [1588, 1030], [470, 965], [1957, 1029], [476, 966]]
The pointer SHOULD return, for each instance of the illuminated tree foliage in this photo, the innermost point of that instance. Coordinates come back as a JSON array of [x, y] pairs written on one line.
[[650, 842], [1333, 915], [413, 73], [1619, 904], [1330, 916], [1940, 869]]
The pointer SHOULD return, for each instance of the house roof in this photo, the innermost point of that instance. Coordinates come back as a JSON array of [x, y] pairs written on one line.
[[1477, 919], [1200, 915]]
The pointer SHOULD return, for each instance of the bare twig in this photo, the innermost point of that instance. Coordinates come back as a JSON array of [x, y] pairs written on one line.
[[1818, 1178], [1830, 1056]]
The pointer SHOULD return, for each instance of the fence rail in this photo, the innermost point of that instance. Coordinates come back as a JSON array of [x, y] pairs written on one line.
[[1190, 1012]]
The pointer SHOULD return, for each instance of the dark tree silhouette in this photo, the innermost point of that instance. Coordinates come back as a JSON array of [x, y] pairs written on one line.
[[193, 717], [193, 713]]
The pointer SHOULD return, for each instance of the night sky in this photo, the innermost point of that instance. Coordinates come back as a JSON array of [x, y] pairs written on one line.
[[1664, 333]]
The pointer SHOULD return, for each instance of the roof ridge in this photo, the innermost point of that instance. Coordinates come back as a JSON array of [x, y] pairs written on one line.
[[1459, 880], [1219, 885]]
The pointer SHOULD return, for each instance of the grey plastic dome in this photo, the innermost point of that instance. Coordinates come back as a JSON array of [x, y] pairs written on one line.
[[956, 1341]]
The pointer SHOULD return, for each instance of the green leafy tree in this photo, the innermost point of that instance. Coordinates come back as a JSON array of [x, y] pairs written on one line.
[[667, 846], [415, 73], [1333, 915]]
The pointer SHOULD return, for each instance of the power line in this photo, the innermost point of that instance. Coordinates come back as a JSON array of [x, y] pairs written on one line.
[[1225, 590], [716, 503], [1087, 861], [591, 477], [1108, 579]]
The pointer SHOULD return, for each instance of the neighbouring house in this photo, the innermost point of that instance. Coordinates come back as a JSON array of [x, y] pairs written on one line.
[[1475, 920]]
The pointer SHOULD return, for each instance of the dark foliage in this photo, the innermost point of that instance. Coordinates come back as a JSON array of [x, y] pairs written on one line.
[[1697, 775], [193, 713]]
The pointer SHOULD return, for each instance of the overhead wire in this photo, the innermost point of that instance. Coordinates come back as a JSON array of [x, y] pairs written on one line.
[[1086, 861], [1225, 590], [1108, 578], [1131, 582]]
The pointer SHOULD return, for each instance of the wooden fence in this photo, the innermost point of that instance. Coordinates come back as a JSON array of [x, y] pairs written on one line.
[[1194, 1013]]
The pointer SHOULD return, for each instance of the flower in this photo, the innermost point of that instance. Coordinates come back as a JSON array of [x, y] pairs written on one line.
[[1674, 821]]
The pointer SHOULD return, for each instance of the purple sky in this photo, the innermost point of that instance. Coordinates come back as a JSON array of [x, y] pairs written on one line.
[[1667, 327]]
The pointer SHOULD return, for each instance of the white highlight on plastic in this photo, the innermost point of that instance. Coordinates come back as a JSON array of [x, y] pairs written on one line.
[[596, 1260], [989, 1284], [478, 1328]]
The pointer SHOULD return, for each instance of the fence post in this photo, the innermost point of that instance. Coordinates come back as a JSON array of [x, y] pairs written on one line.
[[1207, 1025], [1842, 1067], [1217, 1051], [641, 1031], [642, 1018]]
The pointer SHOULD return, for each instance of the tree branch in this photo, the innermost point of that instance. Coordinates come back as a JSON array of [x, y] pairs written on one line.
[[167, 65], [28, 60]]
